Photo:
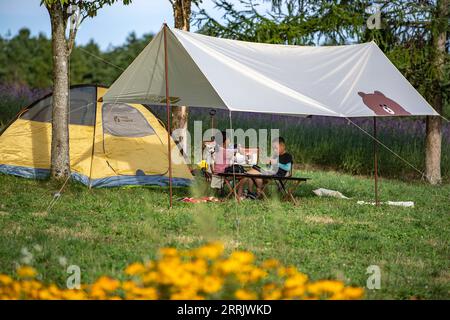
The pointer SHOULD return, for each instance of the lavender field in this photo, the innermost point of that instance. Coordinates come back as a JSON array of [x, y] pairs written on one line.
[[324, 142], [14, 97], [337, 144]]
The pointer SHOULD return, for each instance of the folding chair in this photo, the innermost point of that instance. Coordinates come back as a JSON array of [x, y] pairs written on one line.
[[208, 150]]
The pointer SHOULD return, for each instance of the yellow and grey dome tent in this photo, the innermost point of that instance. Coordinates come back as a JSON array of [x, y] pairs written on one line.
[[111, 144]]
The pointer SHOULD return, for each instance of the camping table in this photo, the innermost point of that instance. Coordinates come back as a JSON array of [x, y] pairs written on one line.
[[282, 183]]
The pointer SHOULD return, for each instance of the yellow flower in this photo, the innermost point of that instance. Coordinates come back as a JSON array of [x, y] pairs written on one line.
[[325, 287], [270, 264], [45, 295], [295, 292], [211, 284], [249, 273], [353, 293], [134, 269], [187, 294], [210, 251], [183, 279], [270, 291], [149, 293], [149, 277], [168, 252], [297, 280], [269, 287], [106, 283], [4, 279], [26, 272], [97, 293], [228, 266], [129, 286], [191, 274], [199, 266], [272, 295], [74, 295], [242, 257], [257, 274], [53, 290], [243, 294]]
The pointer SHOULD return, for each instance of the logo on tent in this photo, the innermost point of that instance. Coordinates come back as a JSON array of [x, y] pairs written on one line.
[[118, 119], [382, 105]]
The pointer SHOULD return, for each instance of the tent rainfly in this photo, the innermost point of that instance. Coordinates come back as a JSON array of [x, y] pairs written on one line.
[[340, 81], [183, 68]]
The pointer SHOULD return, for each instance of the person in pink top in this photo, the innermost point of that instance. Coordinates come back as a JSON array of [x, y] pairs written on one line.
[[224, 156]]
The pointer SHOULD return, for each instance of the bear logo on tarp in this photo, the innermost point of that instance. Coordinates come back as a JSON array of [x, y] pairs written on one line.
[[382, 105]]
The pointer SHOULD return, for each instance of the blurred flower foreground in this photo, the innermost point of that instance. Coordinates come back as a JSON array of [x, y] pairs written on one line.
[[202, 273]]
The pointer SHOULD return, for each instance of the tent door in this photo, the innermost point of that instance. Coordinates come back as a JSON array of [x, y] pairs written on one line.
[[130, 144]]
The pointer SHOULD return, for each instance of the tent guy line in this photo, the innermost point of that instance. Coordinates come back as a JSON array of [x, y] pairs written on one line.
[[101, 59], [422, 174]]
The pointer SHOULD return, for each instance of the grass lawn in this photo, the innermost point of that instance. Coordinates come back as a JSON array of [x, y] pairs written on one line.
[[103, 230]]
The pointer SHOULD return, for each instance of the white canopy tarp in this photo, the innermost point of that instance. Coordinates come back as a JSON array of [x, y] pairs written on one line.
[[343, 81]]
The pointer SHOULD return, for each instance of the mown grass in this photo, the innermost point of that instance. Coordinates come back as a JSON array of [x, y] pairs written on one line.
[[103, 230]]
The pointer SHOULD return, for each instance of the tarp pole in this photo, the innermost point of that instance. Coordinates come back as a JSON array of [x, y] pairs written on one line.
[[166, 67], [232, 164], [375, 159], [212, 113], [93, 137]]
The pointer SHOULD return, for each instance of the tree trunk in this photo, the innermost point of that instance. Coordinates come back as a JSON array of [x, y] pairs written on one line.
[[434, 125], [182, 16], [433, 150], [60, 160]]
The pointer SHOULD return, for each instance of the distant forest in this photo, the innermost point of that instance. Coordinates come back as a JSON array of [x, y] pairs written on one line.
[[27, 60]]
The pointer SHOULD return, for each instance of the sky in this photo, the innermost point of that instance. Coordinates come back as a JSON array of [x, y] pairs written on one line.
[[110, 28]]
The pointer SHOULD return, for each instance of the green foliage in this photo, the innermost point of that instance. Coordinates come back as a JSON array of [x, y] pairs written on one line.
[[88, 8], [289, 22], [101, 230], [28, 60]]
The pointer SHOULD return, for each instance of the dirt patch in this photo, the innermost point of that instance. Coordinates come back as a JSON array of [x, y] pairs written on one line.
[[443, 277], [62, 232], [231, 244], [362, 223], [187, 239], [321, 220], [435, 243], [410, 219], [411, 262], [4, 213], [41, 214], [11, 229]]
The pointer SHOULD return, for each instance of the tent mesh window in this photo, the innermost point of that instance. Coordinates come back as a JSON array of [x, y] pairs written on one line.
[[82, 107], [123, 120]]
